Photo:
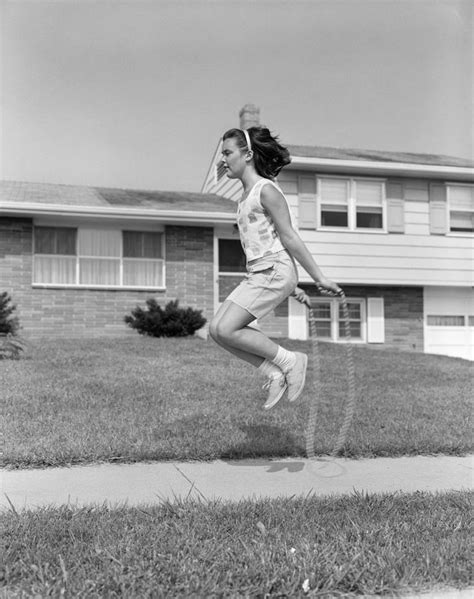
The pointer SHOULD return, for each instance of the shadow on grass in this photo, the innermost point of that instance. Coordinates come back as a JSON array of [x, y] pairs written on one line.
[[264, 441]]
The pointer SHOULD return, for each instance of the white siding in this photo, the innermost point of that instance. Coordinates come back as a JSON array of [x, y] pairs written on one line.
[[414, 257]]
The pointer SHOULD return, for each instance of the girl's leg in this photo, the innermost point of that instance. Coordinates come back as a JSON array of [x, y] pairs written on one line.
[[230, 329]]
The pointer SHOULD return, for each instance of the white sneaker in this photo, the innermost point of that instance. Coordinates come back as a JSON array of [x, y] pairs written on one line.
[[276, 387], [296, 376]]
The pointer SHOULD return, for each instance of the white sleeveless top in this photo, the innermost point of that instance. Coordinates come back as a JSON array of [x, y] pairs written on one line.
[[258, 233]]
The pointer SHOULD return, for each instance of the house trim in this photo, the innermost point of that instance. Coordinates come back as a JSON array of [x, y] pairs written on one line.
[[382, 168], [105, 212]]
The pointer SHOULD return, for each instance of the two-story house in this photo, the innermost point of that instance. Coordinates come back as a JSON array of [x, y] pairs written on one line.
[[395, 230]]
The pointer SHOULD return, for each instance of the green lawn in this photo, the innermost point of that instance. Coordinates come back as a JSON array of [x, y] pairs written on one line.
[[138, 398], [361, 544]]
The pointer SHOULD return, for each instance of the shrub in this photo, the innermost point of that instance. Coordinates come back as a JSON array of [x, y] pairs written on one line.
[[172, 321], [10, 347], [8, 324]]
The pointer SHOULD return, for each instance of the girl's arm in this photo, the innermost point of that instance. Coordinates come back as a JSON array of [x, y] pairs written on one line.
[[275, 205]]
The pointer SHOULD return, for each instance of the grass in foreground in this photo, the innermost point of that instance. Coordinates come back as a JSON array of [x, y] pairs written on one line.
[[138, 398], [353, 545]]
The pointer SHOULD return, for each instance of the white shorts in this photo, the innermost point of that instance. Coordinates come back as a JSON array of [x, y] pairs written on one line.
[[269, 281]]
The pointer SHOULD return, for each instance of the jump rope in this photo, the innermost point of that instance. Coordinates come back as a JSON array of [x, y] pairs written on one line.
[[317, 385]]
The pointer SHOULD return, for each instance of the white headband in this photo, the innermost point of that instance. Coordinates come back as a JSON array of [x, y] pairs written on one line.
[[247, 139]]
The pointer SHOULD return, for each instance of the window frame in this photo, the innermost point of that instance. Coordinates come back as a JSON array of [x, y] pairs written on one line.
[[352, 205], [77, 257], [335, 303], [449, 185]]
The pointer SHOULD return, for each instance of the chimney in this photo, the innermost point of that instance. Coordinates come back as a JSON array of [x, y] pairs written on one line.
[[249, 116]]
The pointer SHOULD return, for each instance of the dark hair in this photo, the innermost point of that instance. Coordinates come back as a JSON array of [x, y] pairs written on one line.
[[268, 154]]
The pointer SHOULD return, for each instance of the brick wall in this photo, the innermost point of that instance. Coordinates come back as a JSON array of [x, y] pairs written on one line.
[[403, 311], [90, 312], [274, 324]]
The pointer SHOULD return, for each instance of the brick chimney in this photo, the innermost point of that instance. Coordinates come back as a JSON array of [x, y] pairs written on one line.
[[249, 116]]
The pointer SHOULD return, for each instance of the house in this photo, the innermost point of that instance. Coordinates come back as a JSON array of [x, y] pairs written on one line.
[[76, 260], [395, 230]]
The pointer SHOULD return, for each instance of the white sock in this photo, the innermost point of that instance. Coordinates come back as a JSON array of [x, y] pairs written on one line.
[[284, 359], [269, 369]]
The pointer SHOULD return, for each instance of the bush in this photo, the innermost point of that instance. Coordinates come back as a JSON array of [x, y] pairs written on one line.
[[172, 321], [9, 324], [10, 347]]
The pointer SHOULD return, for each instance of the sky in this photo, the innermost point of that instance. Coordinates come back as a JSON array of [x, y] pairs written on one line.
[[137, 94]]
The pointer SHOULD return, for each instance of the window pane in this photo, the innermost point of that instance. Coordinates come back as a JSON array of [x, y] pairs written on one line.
[[231, 256], [368, 221], [132, 244], [369, 193], [143, 273], [333, 191], [353, 309], [138, 244], [55, 240], [369, 218], [335, 217], [470, 321], [54, 270], [44, 240], [445, 321], [94, 271], [151, 245], [96, 242], [354, 328], [461, 197], [462, 221], [322, 310], [323, 329], [66, 241]]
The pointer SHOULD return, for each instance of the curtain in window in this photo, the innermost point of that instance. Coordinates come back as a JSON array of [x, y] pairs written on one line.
[[97, 271], [144, 273], [55, 240], [96, 242], [59, 270], [94, 246], [137, 244]]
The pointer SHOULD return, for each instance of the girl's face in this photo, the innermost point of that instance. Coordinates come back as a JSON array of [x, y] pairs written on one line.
[[233, 158]]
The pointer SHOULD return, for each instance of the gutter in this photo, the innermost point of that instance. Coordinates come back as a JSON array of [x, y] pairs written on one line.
[[456, 173], [99, 212]]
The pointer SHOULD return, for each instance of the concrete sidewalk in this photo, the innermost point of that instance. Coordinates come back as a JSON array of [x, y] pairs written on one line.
[[148, 483]]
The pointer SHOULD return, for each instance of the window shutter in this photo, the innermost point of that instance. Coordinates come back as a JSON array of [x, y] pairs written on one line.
[[395, 207], [307, 202], [438, 209], [375, 320]]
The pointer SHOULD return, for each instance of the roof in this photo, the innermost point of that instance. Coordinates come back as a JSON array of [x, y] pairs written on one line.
[[378, 156], [19, 193]]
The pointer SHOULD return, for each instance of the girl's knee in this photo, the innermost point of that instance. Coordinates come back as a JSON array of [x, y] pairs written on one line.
[[219, 331]]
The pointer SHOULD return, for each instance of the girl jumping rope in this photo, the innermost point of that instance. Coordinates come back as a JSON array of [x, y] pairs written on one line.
[[271, 245]]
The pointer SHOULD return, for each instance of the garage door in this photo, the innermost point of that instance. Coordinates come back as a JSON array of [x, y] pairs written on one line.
[[449, 321]]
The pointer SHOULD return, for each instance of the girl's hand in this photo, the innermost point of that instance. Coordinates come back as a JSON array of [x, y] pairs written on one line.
[[301, 297], [325, 285]]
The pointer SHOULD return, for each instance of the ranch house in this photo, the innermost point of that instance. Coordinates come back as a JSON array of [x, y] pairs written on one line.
[[395, 230]]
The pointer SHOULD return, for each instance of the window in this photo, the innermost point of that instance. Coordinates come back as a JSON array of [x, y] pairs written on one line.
[[351, 204], [231, 256], [445, 321], [461, 208], [328, 318], [97, 257]]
